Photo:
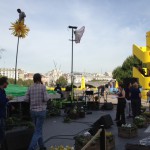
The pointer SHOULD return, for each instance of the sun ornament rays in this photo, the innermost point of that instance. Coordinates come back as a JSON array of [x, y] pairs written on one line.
[[19, 29]]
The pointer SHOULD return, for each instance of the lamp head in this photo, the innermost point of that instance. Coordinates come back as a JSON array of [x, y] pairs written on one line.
[[72, 27]]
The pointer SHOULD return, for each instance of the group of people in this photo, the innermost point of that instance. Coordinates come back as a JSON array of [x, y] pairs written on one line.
[[129, 98], [37, 96]]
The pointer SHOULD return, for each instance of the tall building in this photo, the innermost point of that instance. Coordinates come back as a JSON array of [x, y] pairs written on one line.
[[10, 73]]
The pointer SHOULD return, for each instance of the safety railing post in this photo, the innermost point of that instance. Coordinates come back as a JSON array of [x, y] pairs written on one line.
[[102, 138]]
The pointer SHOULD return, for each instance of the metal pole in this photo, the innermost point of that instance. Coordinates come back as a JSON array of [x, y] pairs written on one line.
[[16, 61], [102, 138], [72, 92]]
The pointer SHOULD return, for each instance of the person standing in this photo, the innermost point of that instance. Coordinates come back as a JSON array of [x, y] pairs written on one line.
[[120, 114], [128, 100], [148, 96], [38, 97], [58, 90], [22, 15], [135, 95], [3, 106]]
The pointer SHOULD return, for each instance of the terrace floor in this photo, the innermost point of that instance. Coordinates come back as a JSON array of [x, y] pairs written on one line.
[[54, 126]]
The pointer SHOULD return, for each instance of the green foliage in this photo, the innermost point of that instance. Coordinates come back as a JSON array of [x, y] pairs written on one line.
[[62, 81], [21, 82], [125, 71], [130, 62]]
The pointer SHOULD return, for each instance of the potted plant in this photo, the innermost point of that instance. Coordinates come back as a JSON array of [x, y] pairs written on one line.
[[143, 109], [146, 114], [110, 141], [127, 131], [67, 119], [81, 141], [73, 114], [23, 131], [140, 121], [81, 112]]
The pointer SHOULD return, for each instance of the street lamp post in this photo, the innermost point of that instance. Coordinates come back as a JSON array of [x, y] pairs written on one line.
[[72, 91]]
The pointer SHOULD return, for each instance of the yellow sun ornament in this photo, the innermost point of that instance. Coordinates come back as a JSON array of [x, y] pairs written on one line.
[[19, 29]]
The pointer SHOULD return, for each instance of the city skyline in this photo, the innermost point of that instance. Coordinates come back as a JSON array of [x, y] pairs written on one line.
[[111, 28]]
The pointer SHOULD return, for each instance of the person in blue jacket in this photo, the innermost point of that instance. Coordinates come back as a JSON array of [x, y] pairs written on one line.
[[3, 106]]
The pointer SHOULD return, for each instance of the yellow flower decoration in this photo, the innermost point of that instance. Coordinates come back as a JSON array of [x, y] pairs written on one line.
[[19, 29]]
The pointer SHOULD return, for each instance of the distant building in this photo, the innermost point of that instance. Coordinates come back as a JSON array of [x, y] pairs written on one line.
[[28, 76], [10, 73], [88, 77], [53, 75]]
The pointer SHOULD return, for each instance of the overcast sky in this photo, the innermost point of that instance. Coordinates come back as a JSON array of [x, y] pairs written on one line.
[[111, 28]]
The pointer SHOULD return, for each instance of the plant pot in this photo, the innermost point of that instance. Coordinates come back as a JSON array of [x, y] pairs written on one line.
[[18, 138], [136, 147], [127, 132], [82, 114], [110, 143], [140, 122], [80, 142], [73, 116]]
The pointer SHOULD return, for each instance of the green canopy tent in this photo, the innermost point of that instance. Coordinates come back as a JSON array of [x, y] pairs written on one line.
[[17, 90]]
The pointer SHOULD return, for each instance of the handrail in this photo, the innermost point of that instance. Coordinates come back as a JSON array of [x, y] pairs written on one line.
[[93, 138]]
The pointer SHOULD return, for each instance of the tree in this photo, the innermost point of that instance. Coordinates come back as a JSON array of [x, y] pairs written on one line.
[[131, 62], [125, 71], [62, 81], [118, 74]]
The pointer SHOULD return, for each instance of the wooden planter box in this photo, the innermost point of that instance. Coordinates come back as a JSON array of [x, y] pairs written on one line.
[[18, 138], [127, 132], [110, 144], [136, 147]]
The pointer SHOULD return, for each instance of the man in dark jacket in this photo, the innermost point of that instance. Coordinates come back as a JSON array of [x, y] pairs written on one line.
[[3, 105]]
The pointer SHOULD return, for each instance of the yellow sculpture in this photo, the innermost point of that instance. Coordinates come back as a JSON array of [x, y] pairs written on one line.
[[83, 83], [143, 73], [19, 29]]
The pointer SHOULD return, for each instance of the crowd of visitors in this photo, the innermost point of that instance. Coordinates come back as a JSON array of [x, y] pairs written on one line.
[[129, 98]]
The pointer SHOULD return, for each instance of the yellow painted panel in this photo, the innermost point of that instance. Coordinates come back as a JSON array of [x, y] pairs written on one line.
[[141, 53], [144, 94], [148, 40], [144, 81]]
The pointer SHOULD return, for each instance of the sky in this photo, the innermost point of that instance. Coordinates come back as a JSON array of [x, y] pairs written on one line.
[[111, 28]]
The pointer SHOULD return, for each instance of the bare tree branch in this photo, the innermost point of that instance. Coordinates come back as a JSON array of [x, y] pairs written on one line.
[[1, 51]]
